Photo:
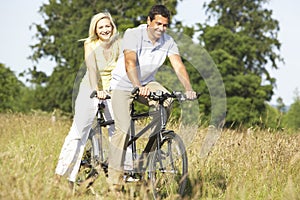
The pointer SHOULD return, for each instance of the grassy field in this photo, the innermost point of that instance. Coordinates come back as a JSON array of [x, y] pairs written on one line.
[[253, 165]]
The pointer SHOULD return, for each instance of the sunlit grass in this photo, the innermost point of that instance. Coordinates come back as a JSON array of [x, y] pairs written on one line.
[[255, 165]]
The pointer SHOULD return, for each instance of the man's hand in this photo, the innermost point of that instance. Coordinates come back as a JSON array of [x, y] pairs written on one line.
[[144, 91], [190, 94]]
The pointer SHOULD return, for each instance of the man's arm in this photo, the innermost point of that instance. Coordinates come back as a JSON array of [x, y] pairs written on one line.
[[130, 65], [182, 75]]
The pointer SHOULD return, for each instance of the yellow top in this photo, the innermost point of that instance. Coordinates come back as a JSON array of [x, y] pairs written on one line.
[[106, 60]]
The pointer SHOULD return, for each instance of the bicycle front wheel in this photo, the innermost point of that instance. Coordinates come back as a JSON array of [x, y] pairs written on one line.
[[94, 158], [168, 167], [87, 165]]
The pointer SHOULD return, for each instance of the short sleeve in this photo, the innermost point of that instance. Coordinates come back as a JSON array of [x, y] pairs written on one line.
[[173, 48], [130, 40]]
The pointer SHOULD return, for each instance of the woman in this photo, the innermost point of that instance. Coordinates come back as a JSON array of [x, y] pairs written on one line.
[[101, 50]]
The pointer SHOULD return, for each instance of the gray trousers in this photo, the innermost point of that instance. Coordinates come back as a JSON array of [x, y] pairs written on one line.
[[121, 101]]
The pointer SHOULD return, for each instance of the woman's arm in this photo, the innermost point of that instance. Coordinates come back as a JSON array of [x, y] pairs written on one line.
[[91, 65]]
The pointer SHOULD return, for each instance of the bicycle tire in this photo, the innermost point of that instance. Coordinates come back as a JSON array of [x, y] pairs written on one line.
[[99, 153], [92, 162], [171, 178], [87, 166]]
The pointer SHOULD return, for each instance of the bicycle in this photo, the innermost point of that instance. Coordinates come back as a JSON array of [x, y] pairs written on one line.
[[96, 149], [163, 162]]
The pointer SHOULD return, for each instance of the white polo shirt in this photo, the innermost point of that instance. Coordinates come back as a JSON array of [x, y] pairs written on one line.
[[149, 56]]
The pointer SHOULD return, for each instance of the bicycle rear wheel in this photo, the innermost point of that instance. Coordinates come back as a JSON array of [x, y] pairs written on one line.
[[168, 167]]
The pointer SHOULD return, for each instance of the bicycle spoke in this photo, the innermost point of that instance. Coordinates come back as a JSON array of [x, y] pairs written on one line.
[[168, 169], [93, 162]]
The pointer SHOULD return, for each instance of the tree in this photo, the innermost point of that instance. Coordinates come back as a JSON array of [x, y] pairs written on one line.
[[292, 119], [243, 42], [280, 105], [67, 21], [10, 90], [272, 119]]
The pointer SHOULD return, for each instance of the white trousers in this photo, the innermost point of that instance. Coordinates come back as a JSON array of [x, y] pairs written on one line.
[[73, 147]]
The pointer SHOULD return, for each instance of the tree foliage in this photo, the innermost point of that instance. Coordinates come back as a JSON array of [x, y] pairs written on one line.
[[291, 119], [9, 90], [14, 95], [243, 42], [67, 21]]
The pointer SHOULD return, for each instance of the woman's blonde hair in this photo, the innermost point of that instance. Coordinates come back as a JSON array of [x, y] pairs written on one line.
[[92, 30]]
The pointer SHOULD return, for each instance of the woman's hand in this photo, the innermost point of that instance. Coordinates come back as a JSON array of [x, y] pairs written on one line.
[[102, 95]]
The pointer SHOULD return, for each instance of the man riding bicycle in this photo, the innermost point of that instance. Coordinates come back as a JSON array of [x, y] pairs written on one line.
[[144, 50]]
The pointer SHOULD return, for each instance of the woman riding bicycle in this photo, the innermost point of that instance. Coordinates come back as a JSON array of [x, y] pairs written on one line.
[[101, 50]]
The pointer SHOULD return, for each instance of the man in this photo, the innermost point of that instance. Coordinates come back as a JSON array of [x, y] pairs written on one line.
[[145, 49]]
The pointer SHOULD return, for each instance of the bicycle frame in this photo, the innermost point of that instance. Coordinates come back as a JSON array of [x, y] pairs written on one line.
[[98, 141], [155, 137], [156, 157]]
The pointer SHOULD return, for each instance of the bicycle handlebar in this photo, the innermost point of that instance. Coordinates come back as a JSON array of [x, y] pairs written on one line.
[[158, 95], [94, 94]]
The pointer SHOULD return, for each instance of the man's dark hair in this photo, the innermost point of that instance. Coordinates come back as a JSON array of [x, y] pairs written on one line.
[[159, 10]]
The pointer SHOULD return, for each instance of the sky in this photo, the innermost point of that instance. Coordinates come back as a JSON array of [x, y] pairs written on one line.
[[16, 37]]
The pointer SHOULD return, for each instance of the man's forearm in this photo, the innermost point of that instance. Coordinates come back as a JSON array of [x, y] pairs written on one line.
[[184, 79], [133, 76]]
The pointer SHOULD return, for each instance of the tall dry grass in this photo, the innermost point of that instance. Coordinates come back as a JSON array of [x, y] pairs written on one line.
[[256, 165], [253, 165]]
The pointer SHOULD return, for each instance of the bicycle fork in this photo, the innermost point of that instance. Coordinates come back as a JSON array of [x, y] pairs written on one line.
[[159, 139], [98, 149]]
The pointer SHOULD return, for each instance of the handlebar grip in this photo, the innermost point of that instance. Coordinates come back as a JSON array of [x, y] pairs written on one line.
[[197, 96], [93, 94], [135, 90]]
